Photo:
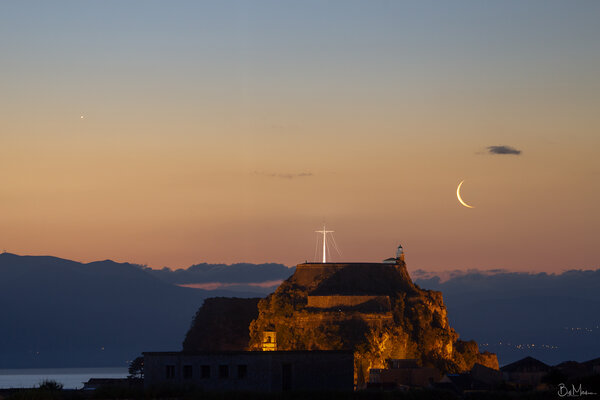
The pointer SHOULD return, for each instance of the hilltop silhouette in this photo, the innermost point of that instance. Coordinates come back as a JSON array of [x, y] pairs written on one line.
[[57, 312]]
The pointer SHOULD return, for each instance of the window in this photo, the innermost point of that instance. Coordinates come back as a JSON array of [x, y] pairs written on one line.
[[187, 372], [170, 371], [205, 372], [223, 371], [242, 371], [286, 377]]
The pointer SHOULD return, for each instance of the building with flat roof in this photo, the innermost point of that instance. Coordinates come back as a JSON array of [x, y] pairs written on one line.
[[264, 371]]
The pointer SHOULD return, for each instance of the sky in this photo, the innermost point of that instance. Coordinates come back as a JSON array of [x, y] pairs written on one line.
[[174, 133]]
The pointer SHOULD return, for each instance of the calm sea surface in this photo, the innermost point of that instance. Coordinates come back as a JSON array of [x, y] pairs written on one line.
[[71, 378]]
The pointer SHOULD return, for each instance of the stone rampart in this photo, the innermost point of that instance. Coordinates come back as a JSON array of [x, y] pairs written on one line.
[[346, 301]]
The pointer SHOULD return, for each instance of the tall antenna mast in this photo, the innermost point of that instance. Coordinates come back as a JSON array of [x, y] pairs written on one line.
[[324, 232]]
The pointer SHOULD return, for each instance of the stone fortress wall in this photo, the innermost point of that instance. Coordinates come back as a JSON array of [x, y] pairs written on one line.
[[337, 301]]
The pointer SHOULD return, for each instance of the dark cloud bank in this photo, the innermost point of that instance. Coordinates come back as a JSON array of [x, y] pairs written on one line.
[[223, 273], [503, 150]]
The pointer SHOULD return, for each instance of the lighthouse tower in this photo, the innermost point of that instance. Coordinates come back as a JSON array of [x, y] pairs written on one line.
[[400, 253], [399, 259]]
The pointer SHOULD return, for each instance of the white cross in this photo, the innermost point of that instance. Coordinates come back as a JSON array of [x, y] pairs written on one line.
[[324, 232]]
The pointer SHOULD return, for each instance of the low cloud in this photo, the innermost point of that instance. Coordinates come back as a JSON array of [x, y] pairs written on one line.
[[285, 175], [503, 150], [446, 275], [238, 274]]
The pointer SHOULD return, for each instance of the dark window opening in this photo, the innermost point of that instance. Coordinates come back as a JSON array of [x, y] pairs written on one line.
[[242, 371], [223, 371], [170, 371], [187, 372], [286, 377], [205, 372]]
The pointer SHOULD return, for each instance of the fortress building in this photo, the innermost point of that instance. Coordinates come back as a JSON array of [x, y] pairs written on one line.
[[373, 309]]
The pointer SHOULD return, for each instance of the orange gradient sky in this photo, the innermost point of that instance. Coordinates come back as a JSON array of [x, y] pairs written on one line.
[[228, 132]]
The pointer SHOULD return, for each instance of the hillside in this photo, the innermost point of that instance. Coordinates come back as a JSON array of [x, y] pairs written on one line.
[[61, 313]]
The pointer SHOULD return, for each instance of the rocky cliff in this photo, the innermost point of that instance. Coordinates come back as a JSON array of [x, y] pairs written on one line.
[[374, 309], [221, 324]]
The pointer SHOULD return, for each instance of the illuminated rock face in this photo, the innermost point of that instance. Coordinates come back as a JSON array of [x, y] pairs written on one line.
[[374, 309]]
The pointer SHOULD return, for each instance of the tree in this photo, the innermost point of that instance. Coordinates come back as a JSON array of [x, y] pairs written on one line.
[[50, 385], [136, 368]]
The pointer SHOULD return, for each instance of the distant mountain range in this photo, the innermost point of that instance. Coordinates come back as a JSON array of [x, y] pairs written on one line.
[[61, 313], [552, 317]]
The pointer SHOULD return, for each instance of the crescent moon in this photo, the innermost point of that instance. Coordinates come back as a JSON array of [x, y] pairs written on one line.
[[459, 198]]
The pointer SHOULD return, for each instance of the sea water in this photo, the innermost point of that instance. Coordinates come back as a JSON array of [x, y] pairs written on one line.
[[71, 378]]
